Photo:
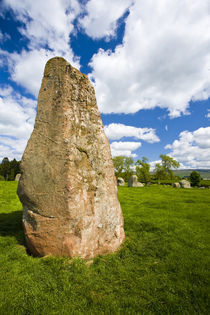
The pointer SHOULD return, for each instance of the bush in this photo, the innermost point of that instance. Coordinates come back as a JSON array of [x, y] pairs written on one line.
[[1, 177], [165, 181], [195, 178], [204, 183]]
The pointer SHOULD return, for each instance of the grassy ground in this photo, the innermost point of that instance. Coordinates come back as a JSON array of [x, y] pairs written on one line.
[[160, 269]]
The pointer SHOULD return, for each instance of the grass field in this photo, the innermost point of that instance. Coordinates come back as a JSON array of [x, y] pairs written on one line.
[[162, 268]]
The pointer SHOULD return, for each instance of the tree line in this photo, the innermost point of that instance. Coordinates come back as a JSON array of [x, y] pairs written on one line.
[[9, 169], [125, 167]]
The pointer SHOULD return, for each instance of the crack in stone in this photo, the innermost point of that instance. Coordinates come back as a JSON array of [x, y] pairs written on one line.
[[82, 150], [42, 215], [47, 138], [44, 121]]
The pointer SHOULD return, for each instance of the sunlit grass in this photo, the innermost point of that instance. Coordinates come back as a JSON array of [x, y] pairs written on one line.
[[162, 268]]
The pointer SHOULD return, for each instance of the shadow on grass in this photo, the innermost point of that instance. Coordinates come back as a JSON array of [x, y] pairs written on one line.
[[11, 225]]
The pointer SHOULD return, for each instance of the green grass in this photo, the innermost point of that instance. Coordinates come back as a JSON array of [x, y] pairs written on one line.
[[162, 267]]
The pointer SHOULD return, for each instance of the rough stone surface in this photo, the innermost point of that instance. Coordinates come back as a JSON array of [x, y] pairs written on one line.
[[140, 184], [17, 177], [184, 183], [68, 187], [176, 185], [132, 182], [120, 181]]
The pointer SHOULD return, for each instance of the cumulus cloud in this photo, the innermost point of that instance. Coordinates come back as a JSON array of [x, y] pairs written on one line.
[[45, 23], [192, 149], [124, 148], [118, 131], [101, 17], [163, 60], [17, 115], [27, 68], [47, 26]]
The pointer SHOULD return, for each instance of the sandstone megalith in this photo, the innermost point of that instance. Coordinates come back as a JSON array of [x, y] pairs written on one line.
[[17, 177], [184, 183], [120, 181], [68, 187], [133, 180]]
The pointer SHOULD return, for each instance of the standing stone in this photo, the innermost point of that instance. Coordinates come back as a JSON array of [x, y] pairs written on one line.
[[176, 185], [120, 181], [68, 187], [132, 182], [17, 177], [184, 183], [140, 184]]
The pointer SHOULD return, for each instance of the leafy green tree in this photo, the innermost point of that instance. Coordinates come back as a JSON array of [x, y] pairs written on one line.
[[160, 172], [118, 162], [123, 166], [195, 178], [5, 168], [9, 169], [128, 171], [14, 169], [142, 170], [163, 169]]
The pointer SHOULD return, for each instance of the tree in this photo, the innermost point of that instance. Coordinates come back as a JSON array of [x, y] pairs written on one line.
[[160, 172], [9, 169], [163, 169], [195, 178], [123, 166], [118, 165], [128, 171], [14, 169], [5, 168], [142, 170]]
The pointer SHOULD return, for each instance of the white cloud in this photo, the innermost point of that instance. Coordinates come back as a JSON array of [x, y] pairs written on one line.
[[163, 60], [208, 113], [118, 131], [27, 68], [46, 22], [192, 149], [17, 115], [4, 37], [101, 17], [153, 163], [124, 148], [47, 25]]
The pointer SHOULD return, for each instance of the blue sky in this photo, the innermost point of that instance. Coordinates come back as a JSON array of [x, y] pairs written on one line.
[[149, 62]]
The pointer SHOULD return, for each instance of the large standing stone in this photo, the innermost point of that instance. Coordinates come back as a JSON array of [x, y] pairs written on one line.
[[176, 185], [184, 183], [17, 177], [133, 180], [68, 187], [120, 181], [140, 184]]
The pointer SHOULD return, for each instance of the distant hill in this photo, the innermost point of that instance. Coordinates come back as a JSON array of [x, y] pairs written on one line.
[[204, 173]]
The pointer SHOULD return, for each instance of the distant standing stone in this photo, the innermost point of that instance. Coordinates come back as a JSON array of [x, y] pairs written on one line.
[[68, 187], [140, 184], [120, 181], [132, 182], [17, 177], [184, 183], [176, 185]]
